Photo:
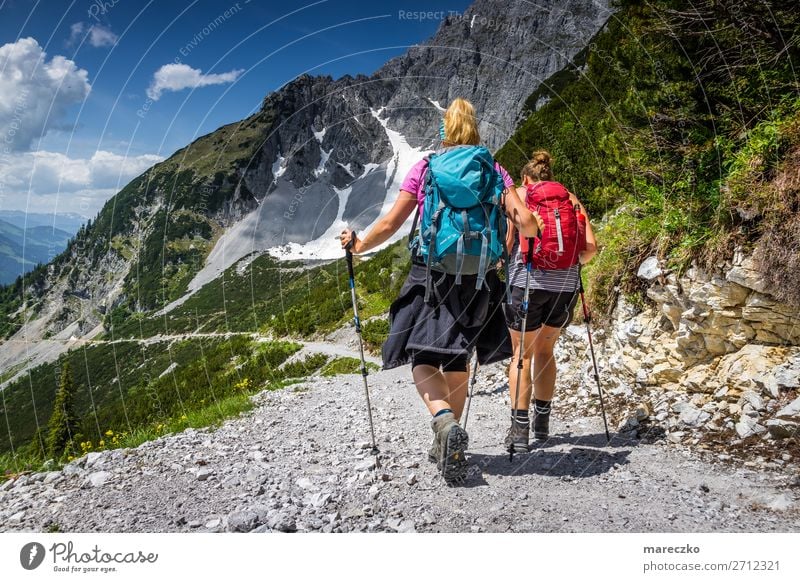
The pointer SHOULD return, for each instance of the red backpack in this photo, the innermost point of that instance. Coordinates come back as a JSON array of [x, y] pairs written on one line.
[[564, 235]]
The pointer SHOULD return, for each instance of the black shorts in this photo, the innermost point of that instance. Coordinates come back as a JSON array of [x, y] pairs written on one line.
[[447, 363], [544, 308]]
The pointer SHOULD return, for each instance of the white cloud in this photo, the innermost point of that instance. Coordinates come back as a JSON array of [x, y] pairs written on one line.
[[176, 77], [41, 179], [110, 170], [96, 34], [101, 36], [76, 30], [35, 93]]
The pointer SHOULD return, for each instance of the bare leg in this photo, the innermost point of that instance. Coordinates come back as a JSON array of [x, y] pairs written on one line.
[[544, 364], [441, 390], [458, 384]]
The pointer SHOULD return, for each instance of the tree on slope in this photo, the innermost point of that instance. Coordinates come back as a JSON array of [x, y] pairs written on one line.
[[63, 424]]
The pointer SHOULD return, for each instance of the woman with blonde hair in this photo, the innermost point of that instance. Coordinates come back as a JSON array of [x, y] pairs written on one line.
[[567, 241], [440, 316]]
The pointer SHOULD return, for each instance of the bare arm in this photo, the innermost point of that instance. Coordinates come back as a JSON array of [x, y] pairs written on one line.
[[511, 230], [511, 235], [405, 204], [591, 241], [528, 223]]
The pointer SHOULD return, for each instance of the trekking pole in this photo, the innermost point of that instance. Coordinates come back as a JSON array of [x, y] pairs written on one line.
[[587, 318], [524, 326], [471, 390], [357, 322]]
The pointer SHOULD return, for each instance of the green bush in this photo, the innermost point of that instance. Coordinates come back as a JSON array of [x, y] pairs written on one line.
[[345, 366], [304, 367], [274, 353], [375, 332]]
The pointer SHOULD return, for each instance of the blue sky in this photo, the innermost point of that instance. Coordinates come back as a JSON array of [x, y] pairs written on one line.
[[87, 101]]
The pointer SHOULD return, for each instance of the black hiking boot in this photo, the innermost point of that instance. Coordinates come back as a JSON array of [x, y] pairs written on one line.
[[450, 442], [541, 424], [517, 437]]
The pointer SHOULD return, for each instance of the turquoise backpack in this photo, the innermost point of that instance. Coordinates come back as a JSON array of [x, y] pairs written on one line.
[[463, 225]]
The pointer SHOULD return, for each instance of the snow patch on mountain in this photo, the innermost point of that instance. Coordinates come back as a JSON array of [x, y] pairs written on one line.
[[346, 167], [278, 168], [368, 169], [403, 159], [436, 104], [327, 247], [323, 161]]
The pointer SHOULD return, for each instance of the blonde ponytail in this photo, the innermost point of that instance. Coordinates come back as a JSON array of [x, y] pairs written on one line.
[[460, 124]]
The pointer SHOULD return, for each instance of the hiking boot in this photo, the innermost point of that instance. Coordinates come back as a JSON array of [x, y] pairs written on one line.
[[541, 426], [450, 442], [517, 437], [433, 451]]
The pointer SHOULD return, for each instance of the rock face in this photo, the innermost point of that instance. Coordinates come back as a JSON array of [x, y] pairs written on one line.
[[495, 53], [337, 151], [712, 354]]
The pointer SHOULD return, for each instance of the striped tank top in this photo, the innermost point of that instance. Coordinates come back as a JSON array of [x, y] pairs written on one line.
[[554, 280]]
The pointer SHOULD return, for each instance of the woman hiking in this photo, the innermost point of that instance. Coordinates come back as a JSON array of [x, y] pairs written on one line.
[[553, 288], [444, 310]]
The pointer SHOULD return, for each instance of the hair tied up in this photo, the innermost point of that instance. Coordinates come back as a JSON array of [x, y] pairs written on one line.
[[539, 167], [542, 158]]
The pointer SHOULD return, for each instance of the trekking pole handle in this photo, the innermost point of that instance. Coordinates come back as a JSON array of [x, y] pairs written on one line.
[[349, 255], [529, 258]]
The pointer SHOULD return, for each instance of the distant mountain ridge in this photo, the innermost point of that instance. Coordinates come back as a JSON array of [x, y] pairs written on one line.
[[25, 241], [66, 221]]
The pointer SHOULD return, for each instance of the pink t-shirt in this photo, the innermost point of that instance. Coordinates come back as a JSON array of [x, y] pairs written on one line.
[[415, 180]]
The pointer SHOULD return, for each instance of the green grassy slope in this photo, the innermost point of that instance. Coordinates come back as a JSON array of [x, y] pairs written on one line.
[[673, 124], [185, 192], [130, 388], [277, 297], [121, 387]]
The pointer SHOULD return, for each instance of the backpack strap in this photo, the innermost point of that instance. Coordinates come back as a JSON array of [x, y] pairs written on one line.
[[559, 231], [434, 229], [414, 226], [506, 260], [489, 177], [482, 265], [412, 247], [432, 250], [460, 246]]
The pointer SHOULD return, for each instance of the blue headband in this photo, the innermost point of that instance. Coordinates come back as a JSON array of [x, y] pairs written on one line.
[[441, 131]]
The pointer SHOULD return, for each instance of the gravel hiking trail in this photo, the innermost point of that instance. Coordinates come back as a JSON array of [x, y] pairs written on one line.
[[300, 461]]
